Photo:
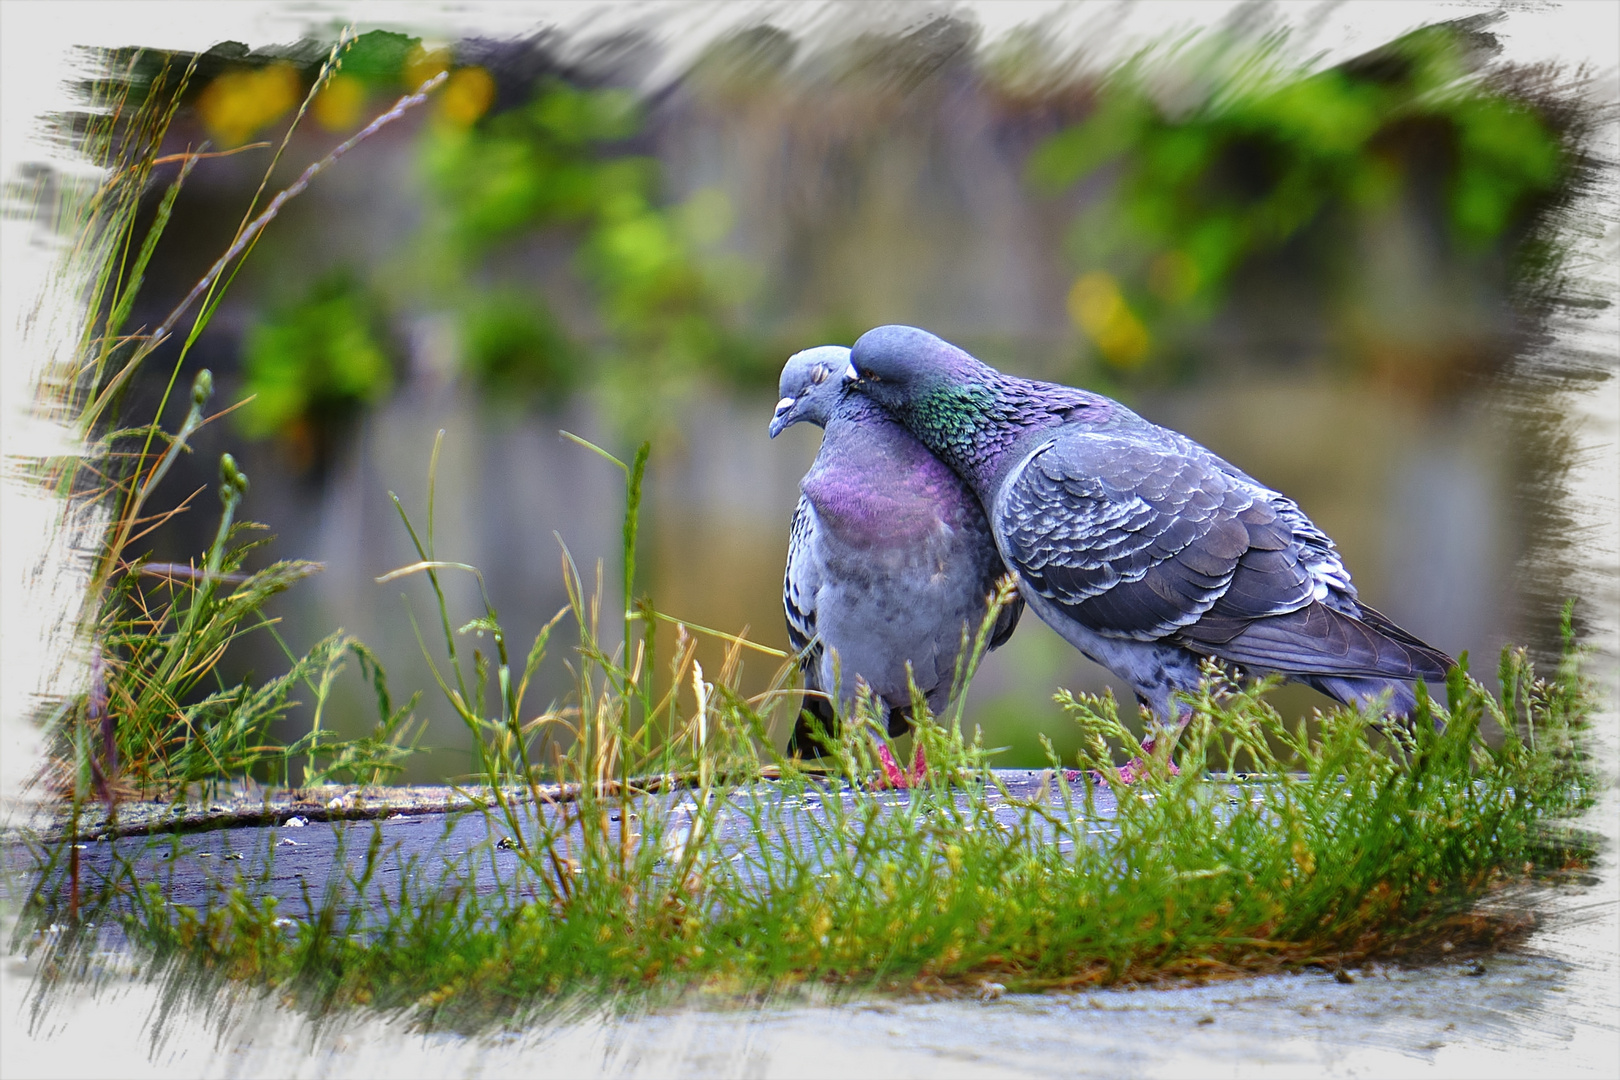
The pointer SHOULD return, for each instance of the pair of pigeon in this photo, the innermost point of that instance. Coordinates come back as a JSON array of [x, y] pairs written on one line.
[[1144, 550]]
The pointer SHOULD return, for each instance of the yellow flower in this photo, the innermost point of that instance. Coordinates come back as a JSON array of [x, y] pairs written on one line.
[[337, 107], [422, 64], [239, 103], [466, 97], [1097, 305]]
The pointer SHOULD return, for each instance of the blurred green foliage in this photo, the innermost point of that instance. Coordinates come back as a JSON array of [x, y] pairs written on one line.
[[1199, 194], [381, 58], [552, 249], [316, 361], [557, 168], [514, 346], [538, 165], [554, 172]]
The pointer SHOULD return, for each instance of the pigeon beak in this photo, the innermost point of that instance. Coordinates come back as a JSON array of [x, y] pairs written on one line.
[[783, 416], [851, 376]]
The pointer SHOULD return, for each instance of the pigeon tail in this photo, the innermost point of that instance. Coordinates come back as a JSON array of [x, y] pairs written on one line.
[[1382, 623], [1318, 640], [1358, 693]]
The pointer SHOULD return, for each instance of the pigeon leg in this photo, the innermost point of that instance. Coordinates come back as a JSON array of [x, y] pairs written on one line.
[[1134, 769], [919, 765], [893, 775]]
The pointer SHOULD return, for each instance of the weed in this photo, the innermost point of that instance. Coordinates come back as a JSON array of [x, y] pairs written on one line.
[[654, 843], [157, 716]]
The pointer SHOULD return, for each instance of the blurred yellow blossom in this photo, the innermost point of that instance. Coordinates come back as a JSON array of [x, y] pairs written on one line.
[[337, 107], [1098, 306], [239, 103], [466, 96], [422, 64]]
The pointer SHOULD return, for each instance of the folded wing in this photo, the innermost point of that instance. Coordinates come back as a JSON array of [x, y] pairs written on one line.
[[1156, 541]]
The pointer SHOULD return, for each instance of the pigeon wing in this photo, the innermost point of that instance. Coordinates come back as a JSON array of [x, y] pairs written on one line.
[[1139, 540], [1162, 540], [800, 583]]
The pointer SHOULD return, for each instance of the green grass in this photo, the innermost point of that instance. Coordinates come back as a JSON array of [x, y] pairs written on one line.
[[1341, 845], [157, 717]]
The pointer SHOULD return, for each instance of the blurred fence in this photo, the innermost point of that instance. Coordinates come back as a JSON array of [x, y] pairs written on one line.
[[1333, 280]]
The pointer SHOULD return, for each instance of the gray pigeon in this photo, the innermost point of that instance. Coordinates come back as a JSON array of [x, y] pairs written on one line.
[[1143, 549], [890, 557]]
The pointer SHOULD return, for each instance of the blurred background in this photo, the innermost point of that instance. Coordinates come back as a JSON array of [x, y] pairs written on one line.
[[1337, 277]]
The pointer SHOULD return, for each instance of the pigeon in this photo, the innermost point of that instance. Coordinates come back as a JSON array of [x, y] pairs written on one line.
[[1144, 550], [889, 559]]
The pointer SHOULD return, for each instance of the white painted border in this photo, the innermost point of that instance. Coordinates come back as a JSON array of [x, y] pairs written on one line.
[[105, 1038]]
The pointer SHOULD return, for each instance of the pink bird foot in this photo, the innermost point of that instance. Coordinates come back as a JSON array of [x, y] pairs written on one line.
[[1127, 774], [896, 777]]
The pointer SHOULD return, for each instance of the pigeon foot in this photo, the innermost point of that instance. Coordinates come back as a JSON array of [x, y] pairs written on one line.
[[896, 777], [1127, 774]]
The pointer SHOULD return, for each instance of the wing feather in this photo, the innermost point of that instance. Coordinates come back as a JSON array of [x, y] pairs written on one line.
[[1146, 539], [1155, 538], [800, 582], [1134, 540]]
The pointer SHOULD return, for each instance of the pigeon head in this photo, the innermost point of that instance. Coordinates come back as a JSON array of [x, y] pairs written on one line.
[[971, 416], [812, 382], [899, 366]]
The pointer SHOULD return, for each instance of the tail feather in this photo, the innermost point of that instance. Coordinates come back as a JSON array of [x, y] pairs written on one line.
[[1400, 703], [1357, 692], [1319, 641], [1379, 621]]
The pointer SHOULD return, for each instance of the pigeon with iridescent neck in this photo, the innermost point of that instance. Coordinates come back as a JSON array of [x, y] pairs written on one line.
[[890, 560], [1143, 549]]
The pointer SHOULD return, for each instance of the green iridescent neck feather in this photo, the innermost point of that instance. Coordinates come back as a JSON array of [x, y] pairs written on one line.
[[958, 424]]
